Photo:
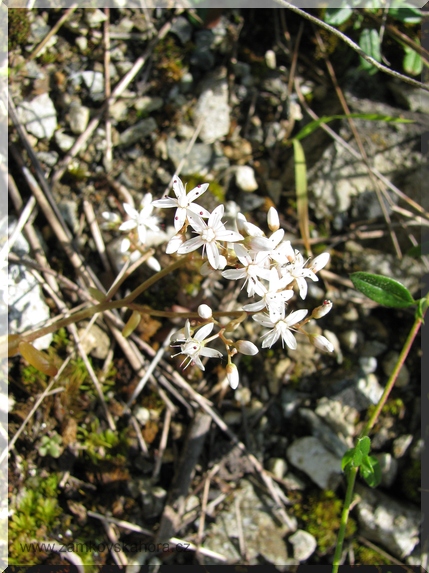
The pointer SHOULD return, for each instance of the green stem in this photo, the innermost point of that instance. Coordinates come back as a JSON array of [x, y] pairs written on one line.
[[352, 473]]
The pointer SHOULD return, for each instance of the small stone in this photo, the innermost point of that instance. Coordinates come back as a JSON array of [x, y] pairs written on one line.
[[94, 81], [310, 456], [232, 418], [199, 160], [340, 417], [138, 131], [147, 103], [119, 110], [389, 468], [39, 116], [270, 59], [78, 117], [349, 339], [49, 158], [368, 364], [82, 43], [304, 544], [212, 110], [142, 415], [401, 445], [245, 178], [373, 348], [94, 17], [186, 82], [68, 210], [64, 141], [243, 396], [277, 466], [96, 342], [369, 388]]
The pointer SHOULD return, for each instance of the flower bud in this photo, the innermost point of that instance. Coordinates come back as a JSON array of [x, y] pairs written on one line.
[[319, 262], [232, 375], [153, 264], [322, 343], [174, 244], [246, 347], [204, 311], [273, 219], [131, 324], [321, 310]]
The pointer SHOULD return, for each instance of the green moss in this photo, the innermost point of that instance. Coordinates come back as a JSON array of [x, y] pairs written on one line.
[[367, 556], [321, 514], [18, 27], [35, 513]]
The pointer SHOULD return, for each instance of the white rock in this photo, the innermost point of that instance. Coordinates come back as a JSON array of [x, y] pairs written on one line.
[[142, 415], [369, 388], [64, 141], [401, 445], [78, 117], [245, 178], [309, 455], [82, 43], [138, 131], [339, 416], [94, 81], [304, 544], [39, 116], [96, 342], [94, 17], [213, 110], [389, 468], [277, 466], [270, 59]]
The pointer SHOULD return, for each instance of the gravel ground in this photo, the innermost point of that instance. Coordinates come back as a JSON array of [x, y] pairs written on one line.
[[180, 468]]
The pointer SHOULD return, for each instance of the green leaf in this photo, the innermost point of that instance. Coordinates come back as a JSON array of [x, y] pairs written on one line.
[[406, 14], [412, 63], [301, 193], [383, 290], [370, 471], [422, 306], [337, 16], [313, 125], [357, 458], [347, 459], [364, 445], [369, 42]]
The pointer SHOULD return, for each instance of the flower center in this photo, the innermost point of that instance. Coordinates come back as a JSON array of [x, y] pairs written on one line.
[[182, 201], [191, 348], [208, 235]]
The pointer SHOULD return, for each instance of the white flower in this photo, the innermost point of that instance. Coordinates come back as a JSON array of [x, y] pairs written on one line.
[[273, 219], [183, 203], [194, 347], [322, 343], [273, 298], [209, 235], [322, 310], [204, 311], [143, 220], [112, 220], [252, 270], [246, 347], [281, 327]]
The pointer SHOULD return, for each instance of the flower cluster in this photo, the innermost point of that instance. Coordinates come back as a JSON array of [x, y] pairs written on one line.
[[269, 266]]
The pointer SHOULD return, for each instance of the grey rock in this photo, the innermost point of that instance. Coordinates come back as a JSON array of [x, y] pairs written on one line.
[[39, 30], [82, 43], [39, 116], [340, 417], [27, 307], [94, 17], [373, 348], [49, 158], [274, 132], [369, 388], [411, 98], [94, 81], [383, 520], [304, 545], [68, 210], [310, 456], [290, 401], [138, 131], [213, 110], [262, 534], [182, 28], [337, 444], [368, 364], [198, 161], [78, 117]]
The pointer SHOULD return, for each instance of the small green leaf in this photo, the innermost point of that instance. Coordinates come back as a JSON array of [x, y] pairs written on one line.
[[422, 306], [369, 42], [412, 63], [406, 14], [337, 16], [384, 290], [364, 445], [347, 459], [357, 458], [370, 471]]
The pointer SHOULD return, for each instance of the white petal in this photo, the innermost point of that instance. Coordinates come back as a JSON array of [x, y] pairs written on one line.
[[190, 245], [295, 317], [204, 331], [263, 319], [255, 306], [141, 229], [289, 338], [227, 235], [216, 216], [174, 244], [196, 222], [131, 212], [165, 203], [179, 218], [197, 192], [178, 188], [213, 255], [210, 352], [153, 264], [198, 210], [302, 285], [128, 225], [319, 262], [270, 338], [234, 274]]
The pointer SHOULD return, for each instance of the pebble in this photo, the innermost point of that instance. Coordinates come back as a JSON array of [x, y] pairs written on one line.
[[78, 117], [94, 81], [274, 189], [199, 160], [350, 339], [64, 141], [339, 416], [401, 445], [39, 30], [373, 348], [148, 103], [142, 415], [277, 466], [68, 210], [389, 468], [270, 59], [310, 456], [39, 116], [96, 342], [304, 544], [49, 158], [138, 131], [94, 17], [368, 364], [337, 444], [182, 28], [82, 43], [245, 178], [369, 388]]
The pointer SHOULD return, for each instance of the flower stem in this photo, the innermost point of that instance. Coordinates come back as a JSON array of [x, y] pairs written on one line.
[[352, 473]]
